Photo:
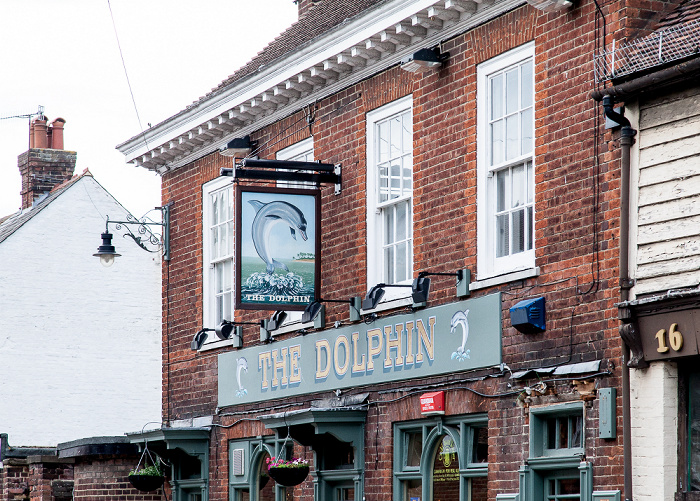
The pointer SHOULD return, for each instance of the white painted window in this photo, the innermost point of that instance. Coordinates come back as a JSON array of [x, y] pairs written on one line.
[[505, 163], [390, 196], [303, 151], [217, 236]]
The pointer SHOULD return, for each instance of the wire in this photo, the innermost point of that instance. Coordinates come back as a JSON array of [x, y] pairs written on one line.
[[128, 82]]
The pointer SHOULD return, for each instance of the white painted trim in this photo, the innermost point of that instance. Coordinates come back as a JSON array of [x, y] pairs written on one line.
[[374, 246], [632, 112], [503, 279], [208, 304], [486, 265], [176, 129]]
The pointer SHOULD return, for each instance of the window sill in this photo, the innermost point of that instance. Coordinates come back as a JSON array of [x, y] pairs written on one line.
[[505, 278], [214, 345]]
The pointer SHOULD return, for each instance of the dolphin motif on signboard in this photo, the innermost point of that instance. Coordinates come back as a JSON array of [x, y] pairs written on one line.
[[266, 216], [459, 319], [242, 366]]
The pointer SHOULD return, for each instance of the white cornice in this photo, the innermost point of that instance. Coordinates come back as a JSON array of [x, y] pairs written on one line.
[[337, 60]]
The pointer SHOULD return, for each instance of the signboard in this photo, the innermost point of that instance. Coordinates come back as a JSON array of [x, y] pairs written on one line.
[[671, 334], [441, 340], [278, 242]]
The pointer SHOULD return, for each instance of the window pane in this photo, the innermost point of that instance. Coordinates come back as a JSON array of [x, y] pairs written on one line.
[[501, 183], [569, 486], [502, 235], [401, 269], [526, 131], [383, 174], [512, 137], [401, 222], [389, 229], [413, 489], [497, 97], [396, 136], [415, 448], [389, 265], [407, 173], [512, 91], [407, 133], [518, 231], [519, 185], [551, 433], [527, 92], [480, 449], [563, 438], [576, 431], [497, 146], [383, 135]]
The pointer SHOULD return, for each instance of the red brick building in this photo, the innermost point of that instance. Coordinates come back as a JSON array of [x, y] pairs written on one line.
[[481, 164]]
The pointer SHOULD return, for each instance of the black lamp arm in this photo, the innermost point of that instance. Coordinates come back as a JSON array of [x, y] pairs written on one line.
[[457, 274]]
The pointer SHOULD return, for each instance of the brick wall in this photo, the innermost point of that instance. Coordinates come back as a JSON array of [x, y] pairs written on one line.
[[42, 170], [577, 218], [103, 479]]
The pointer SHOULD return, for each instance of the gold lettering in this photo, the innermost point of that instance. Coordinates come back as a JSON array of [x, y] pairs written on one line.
[[373, 351], [279, 364], [393, 343], [661, 337], [344, 341], [357, 366], [294, 369], [427, 341], [264, 359], [675, 338], [321, 346], [409, 342]]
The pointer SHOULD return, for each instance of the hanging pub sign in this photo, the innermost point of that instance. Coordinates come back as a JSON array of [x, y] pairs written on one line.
[[278, 243]]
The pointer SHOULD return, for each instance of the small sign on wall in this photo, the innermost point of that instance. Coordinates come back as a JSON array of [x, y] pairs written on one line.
[[278, 246], [432, 403]]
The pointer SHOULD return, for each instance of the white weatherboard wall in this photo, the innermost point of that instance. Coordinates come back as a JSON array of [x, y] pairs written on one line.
[[80, 344], [654, 421], [668, 237]]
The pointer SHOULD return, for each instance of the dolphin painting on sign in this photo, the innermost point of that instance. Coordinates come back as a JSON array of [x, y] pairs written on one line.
[[276, 248]]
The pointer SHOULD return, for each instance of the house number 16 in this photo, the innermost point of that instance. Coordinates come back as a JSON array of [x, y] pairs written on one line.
[[675, 338]]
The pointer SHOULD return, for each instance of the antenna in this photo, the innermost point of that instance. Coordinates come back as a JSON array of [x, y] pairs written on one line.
[[40, 111]]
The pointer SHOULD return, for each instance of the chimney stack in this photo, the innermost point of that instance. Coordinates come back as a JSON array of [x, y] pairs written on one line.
[[46, 164], [305, 6]]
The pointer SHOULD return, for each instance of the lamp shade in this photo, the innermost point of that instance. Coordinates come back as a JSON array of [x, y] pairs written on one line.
[[106, 252]]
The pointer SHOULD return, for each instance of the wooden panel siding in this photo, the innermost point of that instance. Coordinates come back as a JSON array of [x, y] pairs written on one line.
[[668, 237]]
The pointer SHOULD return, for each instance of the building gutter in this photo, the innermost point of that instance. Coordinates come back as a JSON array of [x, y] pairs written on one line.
[[653, 82]]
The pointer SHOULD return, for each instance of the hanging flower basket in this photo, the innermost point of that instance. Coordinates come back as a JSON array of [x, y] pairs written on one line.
[[288, 473], [147, 478], [146, 483]]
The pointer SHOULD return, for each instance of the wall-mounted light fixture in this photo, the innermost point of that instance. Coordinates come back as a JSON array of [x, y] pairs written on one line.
[[199, 338], [271, 324], [141, 234], [239, 147], [286, 170], [463, 279], [424, 60], [317, 311], [420, 288], [225, 330]]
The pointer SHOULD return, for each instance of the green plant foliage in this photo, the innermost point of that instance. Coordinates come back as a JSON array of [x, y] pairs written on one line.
[[153, 470]]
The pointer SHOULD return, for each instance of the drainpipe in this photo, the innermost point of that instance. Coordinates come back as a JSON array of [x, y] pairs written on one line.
[[627, 134]]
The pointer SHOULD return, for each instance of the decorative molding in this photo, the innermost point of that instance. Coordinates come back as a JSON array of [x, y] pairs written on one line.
[[335, 61]]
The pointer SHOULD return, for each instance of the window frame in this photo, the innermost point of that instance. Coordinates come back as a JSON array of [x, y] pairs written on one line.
[[488, 264], [209, 319], [460, 428], [375, 221]]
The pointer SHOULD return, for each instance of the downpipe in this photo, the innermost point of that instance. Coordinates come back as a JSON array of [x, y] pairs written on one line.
[[627, 134]]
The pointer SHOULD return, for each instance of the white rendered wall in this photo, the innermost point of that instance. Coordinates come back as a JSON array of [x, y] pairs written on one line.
[[80, 344], [654, 419]]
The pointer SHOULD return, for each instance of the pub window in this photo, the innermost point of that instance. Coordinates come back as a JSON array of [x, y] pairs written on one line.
[[441, 459], [555, 470]]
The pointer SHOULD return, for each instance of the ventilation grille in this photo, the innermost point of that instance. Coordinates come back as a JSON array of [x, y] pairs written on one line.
[[238, 464]]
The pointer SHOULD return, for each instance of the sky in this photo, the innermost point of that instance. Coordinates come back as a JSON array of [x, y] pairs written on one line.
[[64, 55]]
